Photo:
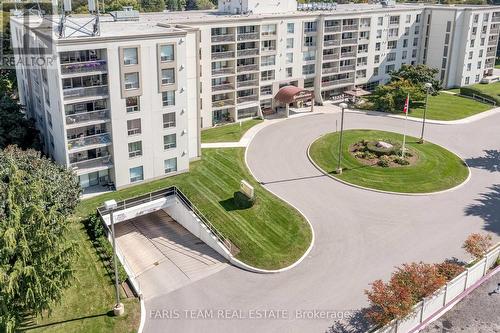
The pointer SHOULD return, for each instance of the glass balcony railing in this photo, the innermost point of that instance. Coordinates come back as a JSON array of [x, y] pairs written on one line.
[[332, 42], [248, 52], [87, 116], [223, 38], [225, 86], [84, 67], [248, 83], [223, 70], [76, 93], [248, 68], [350, 27], [94, 163], [248, 36], [334, 28], [223, 55], [349, 41], [337, 82], [333, 56], [222, 103], [245, 99], [330, 70], [85, 141]]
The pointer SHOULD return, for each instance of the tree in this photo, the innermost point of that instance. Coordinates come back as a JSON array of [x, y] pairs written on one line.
[[15, 128], [153, 5], [477, 245], [391, 97], [36, 256], [204, 4], [417, 75]]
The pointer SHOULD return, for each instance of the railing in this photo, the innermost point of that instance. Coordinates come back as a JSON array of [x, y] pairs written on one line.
[[330, 70], [168, 192], [362, 64], [221, 103], [334, 56], [350, 27], [335, 28], [494, 31], [223, 38], [332, 42], [248, 52], [495, 19], [225, 86], [349, 41], [348, 54], [222, 55], [248, 83], [310, 31], [74, 93], [493, 41], [226, 70], [248, 36], [337, 82], [346, 68], [84, 67], [268, 34], [104, 161], [87, 116], [99, 139], [491, 54], [245, 99], [268, 49], [248, 68]]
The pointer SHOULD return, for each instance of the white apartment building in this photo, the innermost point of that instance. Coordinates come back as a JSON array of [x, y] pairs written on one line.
[[127, 104]]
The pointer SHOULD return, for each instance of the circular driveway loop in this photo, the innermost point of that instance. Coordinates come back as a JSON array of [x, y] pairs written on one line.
[[360, 235]]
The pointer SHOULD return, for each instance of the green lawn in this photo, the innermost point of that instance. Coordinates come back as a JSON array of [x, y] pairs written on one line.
[[270, 235], [450, 107], [492, 89], [437, 168], [228, 133], [85, 305]]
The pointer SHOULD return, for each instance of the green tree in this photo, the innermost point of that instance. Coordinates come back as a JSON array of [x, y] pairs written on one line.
[[418, 75], [152, 5], [392, 96], [204, 4], [36, 256]]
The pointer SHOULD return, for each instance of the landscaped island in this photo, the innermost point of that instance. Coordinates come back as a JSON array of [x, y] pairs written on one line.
[[373, 159]]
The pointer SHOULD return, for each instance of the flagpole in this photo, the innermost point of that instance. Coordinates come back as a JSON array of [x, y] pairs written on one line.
[[407, 107]]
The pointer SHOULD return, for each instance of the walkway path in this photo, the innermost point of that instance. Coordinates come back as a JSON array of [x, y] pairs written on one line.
[[360, 235]]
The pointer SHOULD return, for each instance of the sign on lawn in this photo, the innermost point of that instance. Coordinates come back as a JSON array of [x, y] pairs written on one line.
[[247, 189]]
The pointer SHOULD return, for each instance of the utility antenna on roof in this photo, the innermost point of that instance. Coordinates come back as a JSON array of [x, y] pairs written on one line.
[[67, 27]]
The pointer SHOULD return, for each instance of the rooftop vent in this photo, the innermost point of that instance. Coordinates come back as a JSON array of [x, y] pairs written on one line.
[[388, 3], [317, 6], [126, 14]]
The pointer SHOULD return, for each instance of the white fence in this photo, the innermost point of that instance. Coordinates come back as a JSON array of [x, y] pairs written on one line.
[[446, 295]]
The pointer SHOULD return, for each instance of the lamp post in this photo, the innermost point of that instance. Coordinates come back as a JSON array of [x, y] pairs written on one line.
[[343, 106], [428, 87], [110, 206]]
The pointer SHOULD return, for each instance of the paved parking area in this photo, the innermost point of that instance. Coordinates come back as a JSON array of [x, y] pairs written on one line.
[[163, 254]]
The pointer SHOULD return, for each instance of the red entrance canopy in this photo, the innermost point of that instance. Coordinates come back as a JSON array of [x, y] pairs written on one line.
[[290, 94]]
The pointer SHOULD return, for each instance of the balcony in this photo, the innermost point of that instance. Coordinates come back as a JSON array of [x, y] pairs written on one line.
[[222, 71], [349, 41], [337, 82], [80, 118], [98, 163], [246, 99], [248, 68], [495, 18], [332, 42], [86, 141], [334, 56], [493, 41], [494, 31], [84, 92], [84, 67], [330, 70], [222, 103], [350, 27], [249, 83], [248, 52], [348, 55], [225, 86], [268, 50], [223, 55], [223, 38], [330, 29], [347, 68], [248, 36], [491, 54]]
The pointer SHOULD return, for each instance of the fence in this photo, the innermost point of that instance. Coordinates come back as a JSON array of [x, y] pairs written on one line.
[[430, 306]]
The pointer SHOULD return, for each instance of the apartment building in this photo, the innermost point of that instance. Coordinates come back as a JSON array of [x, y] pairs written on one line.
[[126, 103]]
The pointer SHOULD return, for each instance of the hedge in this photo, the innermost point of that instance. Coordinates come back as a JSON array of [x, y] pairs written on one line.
[[470, 91]]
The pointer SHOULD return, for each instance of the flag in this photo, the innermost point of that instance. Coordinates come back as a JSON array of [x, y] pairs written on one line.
[[407, 103]]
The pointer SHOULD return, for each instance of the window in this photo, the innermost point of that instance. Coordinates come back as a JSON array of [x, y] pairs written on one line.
[[308, 69], [130, 56], [405, 42], [268, 29], [363, 48], [477, 78], [417, 19], [166, 53], [448, 26], [266, 90], [289, 58], [389, 68], [362, 61], [132, 104], [136, 174], [482, 41], [364, 35], [469, 66], [446, 39], [267, 75], [310, 41], [170, 165], [392, 44], [49, 119], [310, 55], [472, 43], [361, 74], [415, 41], [131, 81], [168, 98], [408, 18], [289, 72], [476, 18], [467, 80], [377, 59], [134, 126], [134, 149], [377, 46], [380, 21], [480, 53], [479, 65], [268, 60], [404, 55], [443, 63], [417, 29], [289, 43], [445, 51], [169, 141], [169, 120], [268, 45], [407, 31], [310, 27], [394, 20], [379, 34], [375, 71], [309, 83], [167, 76], [290, 28], [391, 56], [393, 32]]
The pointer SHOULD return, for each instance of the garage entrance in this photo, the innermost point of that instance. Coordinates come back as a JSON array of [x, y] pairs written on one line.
[[163, 255]]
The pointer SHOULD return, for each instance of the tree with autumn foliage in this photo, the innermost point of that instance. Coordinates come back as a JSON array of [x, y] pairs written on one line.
[[477, 245]]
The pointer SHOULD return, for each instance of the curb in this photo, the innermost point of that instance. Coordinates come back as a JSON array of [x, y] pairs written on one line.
[[143, 315], [389, 192]]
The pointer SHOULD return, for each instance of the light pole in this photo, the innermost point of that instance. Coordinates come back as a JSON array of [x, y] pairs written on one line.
[[343, 106], [428, 87], [110, 206]]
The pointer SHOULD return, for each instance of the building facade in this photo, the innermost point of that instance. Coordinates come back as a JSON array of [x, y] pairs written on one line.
[[126, 104]]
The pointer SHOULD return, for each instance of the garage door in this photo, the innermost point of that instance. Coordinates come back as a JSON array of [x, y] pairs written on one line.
[[163, 254]]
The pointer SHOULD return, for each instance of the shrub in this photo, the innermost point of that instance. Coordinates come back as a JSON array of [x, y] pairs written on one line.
[[242, 201], [383, 162], [401, 161], [449, 270], [477, 245], [470, 91], [380, 151]]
